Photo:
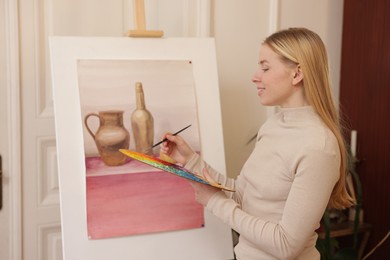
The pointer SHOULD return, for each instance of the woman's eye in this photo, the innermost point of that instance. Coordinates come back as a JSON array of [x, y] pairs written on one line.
[[264, 69]]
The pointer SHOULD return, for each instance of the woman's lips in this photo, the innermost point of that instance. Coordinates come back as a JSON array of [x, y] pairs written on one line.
[[260, 91]]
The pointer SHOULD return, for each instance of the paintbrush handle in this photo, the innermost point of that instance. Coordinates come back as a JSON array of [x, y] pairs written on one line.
[[165, 139]]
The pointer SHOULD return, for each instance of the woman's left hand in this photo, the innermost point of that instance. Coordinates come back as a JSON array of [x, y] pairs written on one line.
[[203, 193]]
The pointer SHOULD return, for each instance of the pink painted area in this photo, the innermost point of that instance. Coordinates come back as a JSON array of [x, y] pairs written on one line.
[[139, 203]]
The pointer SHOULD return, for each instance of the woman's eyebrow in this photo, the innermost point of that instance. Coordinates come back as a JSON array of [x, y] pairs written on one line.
[[262, 62]]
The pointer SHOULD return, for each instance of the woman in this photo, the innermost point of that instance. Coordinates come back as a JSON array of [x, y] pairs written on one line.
[[297, 168]]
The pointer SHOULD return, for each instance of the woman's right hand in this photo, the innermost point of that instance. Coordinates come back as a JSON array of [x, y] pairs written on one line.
[[176, 148]]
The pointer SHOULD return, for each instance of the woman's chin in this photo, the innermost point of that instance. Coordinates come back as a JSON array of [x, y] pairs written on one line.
[[265, 102]]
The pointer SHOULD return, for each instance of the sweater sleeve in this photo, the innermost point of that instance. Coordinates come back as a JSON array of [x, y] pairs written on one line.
[[315, 177]]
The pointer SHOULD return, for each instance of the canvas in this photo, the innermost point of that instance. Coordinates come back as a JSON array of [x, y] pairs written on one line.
[[130, 198], [69, 56]]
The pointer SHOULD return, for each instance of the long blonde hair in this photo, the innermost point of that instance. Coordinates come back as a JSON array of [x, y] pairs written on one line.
[[304, 47]]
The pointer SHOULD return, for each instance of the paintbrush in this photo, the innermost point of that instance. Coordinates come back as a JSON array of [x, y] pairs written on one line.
[[165, 139]]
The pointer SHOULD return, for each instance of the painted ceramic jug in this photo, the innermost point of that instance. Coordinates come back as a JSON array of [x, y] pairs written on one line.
[[110, 136]]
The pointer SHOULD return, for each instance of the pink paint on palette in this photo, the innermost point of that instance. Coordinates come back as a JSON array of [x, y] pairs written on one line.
[[140, 203]]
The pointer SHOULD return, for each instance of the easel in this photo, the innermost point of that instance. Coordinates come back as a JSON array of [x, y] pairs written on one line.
[[140, 25]]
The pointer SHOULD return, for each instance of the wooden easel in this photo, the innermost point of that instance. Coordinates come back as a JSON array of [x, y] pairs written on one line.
[[140, 25]]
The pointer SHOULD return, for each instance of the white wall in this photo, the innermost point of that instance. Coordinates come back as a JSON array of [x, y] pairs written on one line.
[[239, 27], [324, 17]]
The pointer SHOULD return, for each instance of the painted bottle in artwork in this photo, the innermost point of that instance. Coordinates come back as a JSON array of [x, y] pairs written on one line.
[[110, 136], [142, 123]]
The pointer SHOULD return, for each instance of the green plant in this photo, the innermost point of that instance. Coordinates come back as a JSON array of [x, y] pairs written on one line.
[[329, 247]]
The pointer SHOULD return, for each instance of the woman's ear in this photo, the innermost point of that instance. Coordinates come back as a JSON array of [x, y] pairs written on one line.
[[297, 75]]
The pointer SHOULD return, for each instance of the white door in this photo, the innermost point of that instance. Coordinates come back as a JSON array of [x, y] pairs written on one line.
[[41, 238], [4, 191], [37, 21], [10, 202]]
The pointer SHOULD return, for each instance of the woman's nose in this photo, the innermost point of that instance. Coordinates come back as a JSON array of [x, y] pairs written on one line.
[[254, 80], [256, 77]]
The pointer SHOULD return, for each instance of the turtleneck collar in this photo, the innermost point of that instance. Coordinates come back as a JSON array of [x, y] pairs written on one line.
[[296, 112]]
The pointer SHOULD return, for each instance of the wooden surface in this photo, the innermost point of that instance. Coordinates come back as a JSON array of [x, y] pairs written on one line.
[[347, 229], [344, 229], [140, 23], [145, 33], [139, 14], [365, 101]]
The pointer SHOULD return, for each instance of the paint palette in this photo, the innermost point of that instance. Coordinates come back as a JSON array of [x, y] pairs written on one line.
[[170, 167]]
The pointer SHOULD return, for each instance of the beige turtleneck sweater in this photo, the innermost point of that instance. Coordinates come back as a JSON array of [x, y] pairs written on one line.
[[283, 188]]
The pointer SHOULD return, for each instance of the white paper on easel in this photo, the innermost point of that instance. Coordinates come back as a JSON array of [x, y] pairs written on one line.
[[213, 242]]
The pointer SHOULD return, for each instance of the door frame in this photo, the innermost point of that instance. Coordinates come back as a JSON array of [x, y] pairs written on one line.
[[14, 128]]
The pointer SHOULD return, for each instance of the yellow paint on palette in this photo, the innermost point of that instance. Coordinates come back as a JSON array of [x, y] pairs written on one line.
[[171, 168]]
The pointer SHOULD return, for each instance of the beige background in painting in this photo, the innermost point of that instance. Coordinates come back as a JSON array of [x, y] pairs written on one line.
[[168, 89]]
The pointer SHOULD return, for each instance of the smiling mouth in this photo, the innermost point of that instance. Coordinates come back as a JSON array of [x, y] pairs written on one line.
[[260, 91]]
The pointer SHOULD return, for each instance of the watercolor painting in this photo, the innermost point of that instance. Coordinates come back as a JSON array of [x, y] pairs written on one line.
[[130, 104]]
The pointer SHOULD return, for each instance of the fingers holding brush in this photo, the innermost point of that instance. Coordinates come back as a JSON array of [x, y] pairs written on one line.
[[176, 148]]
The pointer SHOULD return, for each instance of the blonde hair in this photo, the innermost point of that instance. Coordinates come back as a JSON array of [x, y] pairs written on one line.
[[304, 47]]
